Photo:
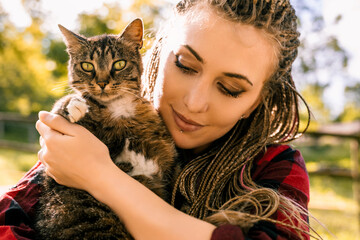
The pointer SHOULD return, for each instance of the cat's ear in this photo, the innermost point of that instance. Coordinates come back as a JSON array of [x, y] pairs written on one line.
[[73, 41], [134, 32]]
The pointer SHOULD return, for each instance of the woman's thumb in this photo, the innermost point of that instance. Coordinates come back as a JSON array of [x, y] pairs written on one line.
[[57, 122]]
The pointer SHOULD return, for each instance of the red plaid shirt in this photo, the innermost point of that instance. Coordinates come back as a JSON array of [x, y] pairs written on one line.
[[280, 168]]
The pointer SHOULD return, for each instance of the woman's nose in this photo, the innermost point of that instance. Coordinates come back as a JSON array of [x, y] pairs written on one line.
[[197, 98]]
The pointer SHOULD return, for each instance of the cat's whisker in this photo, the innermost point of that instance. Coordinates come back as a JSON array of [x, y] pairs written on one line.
[[68, 91], [129, 91], [60, 85], [58, 88], [85, 96]]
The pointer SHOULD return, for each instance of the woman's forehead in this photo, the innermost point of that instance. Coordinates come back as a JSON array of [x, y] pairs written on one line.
[[205, 18], [219, 39]]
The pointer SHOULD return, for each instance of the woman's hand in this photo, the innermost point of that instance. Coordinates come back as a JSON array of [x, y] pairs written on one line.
[[73, 156], [76, 158]]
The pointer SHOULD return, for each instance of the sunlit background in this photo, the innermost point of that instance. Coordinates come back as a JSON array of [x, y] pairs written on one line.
[[327, 72]]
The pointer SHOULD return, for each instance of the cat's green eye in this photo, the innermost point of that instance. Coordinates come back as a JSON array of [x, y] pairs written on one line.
[[118, 65], [87, 67]]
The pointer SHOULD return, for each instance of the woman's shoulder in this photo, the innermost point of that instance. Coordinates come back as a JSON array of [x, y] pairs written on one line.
[[283, 168], [276, 153]]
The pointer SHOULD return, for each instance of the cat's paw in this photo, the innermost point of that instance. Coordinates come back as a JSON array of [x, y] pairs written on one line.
[[77, 108]]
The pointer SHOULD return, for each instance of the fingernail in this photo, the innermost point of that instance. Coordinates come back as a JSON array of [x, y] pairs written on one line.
[[44, 115]]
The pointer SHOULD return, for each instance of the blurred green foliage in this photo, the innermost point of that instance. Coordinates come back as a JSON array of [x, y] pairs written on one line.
[[33, 64], [26, 82], [322, 62]]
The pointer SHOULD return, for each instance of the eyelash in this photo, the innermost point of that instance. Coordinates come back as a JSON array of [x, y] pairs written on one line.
[[183, 68], [227, 92], [189, 71]]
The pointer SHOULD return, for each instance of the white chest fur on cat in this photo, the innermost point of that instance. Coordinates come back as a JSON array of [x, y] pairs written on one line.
[[123, 107], [141, 166]]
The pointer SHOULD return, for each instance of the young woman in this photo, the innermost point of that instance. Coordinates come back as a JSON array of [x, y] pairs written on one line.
[[220, 77]]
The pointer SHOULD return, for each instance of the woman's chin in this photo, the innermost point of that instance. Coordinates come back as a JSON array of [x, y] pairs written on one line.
[[186, 142]]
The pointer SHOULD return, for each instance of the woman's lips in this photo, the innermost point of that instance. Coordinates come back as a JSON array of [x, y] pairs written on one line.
[[185, 124]]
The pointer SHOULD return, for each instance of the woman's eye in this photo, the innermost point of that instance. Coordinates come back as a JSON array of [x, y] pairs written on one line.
[[87, 67], [118, 65], [182, 67], [228, 92]]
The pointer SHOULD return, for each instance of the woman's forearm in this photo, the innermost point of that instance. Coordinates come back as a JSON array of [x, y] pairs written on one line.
[[145, 214]]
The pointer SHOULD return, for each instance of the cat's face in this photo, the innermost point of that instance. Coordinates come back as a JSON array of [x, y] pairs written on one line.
[[107, 66]]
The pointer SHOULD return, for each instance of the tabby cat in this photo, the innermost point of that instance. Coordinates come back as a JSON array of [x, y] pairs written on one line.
[[105, 73]]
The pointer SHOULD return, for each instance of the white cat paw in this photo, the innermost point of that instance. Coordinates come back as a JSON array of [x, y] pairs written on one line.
[[77, 109]]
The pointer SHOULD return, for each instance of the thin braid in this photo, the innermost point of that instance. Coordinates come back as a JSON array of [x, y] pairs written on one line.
[[218, 165], [210, 170], [270, 16], [231, 166], [151, 70]]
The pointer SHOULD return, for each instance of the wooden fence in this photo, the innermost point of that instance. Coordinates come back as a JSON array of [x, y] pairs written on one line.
[[26, 124], [350, 131]]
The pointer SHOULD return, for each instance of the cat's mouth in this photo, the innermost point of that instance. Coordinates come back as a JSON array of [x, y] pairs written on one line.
[[104, 95]]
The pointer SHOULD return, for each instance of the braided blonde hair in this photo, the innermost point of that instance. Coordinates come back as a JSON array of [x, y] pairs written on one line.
[[225, 192]]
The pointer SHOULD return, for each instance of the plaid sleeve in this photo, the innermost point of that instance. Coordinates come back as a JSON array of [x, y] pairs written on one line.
[[17, 207], [227, 232], [282, 169]]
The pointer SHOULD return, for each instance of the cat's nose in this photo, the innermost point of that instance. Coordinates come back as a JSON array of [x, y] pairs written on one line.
[[102, 85]]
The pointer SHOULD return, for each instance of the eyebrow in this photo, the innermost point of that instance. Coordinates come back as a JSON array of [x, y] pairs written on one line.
[[196, 55], [239, 76], [232, 75]]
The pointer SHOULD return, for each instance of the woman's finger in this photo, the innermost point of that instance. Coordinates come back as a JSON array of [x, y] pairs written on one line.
[[45, 131], [41, 141], [57, 123], [41, 156]]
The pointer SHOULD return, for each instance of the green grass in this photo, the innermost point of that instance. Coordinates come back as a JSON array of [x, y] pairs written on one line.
[[14, 164], [333, 205], [343, 224], [331, 198]]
